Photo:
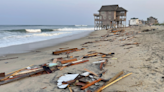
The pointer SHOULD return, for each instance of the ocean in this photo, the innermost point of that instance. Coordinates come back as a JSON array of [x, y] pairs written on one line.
[[11, 35]]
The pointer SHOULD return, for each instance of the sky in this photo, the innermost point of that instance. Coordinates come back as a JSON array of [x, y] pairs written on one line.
[[72, 12]]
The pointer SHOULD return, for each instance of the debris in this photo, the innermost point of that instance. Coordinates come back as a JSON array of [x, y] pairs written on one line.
[[90, 84], [12, 73], [111, 80], [130, 44], [54, 61], [115, 81], [67, 61], [2, 74], [8, 58], [70, 88], [66, 77], [75, 63], [98, 62], [91, 72], [114, 58], [63, 51], [44, 87], [52, 64]]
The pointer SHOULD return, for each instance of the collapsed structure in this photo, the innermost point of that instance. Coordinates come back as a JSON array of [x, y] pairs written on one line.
[[110, 16]]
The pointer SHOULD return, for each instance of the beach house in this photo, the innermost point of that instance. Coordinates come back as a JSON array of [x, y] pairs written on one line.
[[151, 20], [110, 16], [134, 22]]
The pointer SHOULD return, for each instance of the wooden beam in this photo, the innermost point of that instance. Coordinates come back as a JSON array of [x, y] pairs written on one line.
[[111, 80], [90, 84], [67, 61]]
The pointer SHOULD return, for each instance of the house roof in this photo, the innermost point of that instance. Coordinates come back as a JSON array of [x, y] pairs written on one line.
[[134, 18], [121, 9], [109, 8]]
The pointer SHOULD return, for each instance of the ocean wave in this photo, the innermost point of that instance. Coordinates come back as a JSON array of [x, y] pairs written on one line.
[[48, 30], [25, 30]]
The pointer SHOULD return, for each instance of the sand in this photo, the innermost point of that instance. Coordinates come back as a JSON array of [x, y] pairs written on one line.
[[145, 61]]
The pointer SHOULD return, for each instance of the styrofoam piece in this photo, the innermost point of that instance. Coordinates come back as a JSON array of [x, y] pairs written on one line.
[[66, 77], [85, 74]]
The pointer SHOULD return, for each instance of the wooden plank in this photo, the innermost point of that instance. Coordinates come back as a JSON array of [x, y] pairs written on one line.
[[13, 73], [67, 61], [62, 51], [111, 80], [116, 81], [91, 72], [24, 76], [90, 84], [70, 88]]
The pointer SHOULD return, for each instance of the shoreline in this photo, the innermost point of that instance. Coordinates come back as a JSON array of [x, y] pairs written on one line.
[[34, 46]]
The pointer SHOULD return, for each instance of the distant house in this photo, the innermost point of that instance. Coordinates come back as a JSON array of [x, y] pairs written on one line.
[[151, 20], [134, 22], [110, 16]]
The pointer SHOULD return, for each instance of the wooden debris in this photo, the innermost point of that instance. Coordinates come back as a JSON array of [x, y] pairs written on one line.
[[67, 61], [90, 84], [111, 80], [115, 81], [80, 84], [2, 74], [130, 44], [91, 72], [63, 51], [13, 73], [70, 88]]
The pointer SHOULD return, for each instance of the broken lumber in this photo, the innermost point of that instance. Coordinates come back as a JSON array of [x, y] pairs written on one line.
[[90, 84], [70, 88], [13, 73], [5, 81], [116, 81], [63, 51], [2, 74], [111, 80], [91, 72], [67, 61]]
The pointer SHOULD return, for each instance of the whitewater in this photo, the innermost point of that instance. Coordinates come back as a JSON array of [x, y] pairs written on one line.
[[16, 34]]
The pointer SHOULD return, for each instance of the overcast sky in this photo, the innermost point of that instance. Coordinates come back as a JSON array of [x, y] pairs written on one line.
[[71, 12]]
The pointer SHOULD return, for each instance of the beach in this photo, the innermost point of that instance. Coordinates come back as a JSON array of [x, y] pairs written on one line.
[[144, 61]]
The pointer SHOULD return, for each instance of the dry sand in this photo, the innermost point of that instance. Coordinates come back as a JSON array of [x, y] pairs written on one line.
[[145, 61]]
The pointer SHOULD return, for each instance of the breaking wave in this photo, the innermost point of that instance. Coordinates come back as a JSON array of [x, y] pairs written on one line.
[[48, 30]]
